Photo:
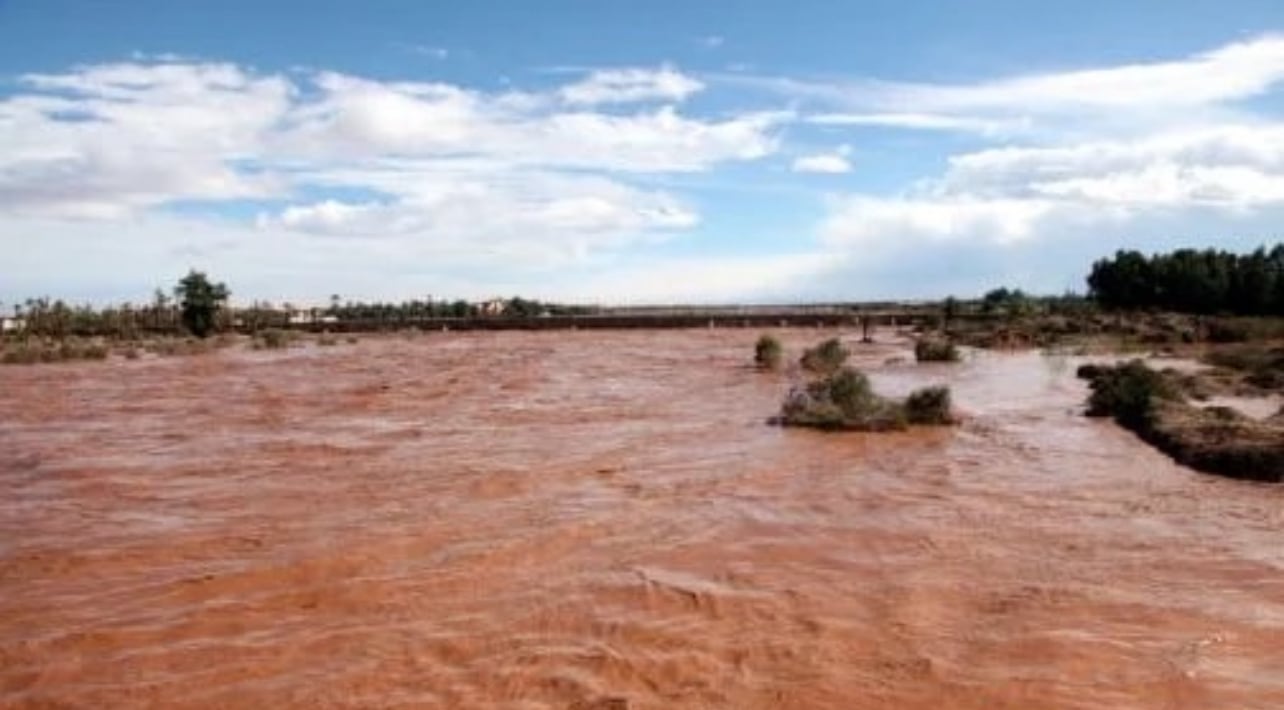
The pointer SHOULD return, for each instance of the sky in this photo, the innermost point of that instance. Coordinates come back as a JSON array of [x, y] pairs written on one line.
[[612, 152]]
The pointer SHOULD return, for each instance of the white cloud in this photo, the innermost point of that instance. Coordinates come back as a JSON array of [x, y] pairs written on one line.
[[613, 86], [712, 41], [922, 121], [541, 191], [1174, 147], [1009, 195], [354, 118], [1235, 71], [1132, 98], [827, 163], [860, 220], [465, 210], [109, 140], [718, 279]]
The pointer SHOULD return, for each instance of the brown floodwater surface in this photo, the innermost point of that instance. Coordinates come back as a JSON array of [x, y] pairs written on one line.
[[603, 520]]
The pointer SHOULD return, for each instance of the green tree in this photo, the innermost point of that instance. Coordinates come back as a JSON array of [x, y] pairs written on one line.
[[200, 302]]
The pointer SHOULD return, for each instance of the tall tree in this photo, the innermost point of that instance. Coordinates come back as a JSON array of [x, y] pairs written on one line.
[[200, 301]]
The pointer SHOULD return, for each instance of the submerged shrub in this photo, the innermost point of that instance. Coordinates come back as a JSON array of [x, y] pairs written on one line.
[[935, 350], [1128, 393], [930, 405], [94, 351], [767, 352], [273, 339], [66, 350], [845, 400], [825, 358], [22, 354]]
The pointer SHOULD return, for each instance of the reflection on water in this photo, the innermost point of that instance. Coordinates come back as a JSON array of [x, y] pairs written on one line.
[[552, 520]]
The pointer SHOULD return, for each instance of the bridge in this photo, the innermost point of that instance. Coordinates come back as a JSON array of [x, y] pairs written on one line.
[[655, 319]]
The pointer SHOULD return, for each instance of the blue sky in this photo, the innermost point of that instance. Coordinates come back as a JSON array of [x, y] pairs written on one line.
[[627, 152]]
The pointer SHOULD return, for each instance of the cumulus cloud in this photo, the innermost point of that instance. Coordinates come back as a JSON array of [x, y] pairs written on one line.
[[471, 210], [111, 140], [1016, 193], [521, 188], [614, 86], [354, 118], [1076, 176], [506, 181]]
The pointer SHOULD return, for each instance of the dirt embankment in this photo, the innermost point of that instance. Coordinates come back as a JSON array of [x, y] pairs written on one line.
[[1216, 439]]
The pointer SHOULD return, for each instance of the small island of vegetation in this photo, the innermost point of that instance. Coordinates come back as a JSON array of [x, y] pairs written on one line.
[[841, 398]]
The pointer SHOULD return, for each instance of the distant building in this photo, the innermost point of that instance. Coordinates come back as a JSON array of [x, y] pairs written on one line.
[[493, 307], [10, 325], [308, 316]]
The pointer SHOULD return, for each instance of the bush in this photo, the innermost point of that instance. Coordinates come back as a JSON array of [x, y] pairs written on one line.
[[66, 350], [845, 400], [273, 339], [935, 350], [930, 406], [1089, 371], [1128, 393], [327, 339], [94, 351], [23, 354], [1215, 439], [768, 353], [825, 358]]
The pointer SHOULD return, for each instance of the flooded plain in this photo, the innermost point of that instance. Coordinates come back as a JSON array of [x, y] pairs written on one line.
[[603, 520]]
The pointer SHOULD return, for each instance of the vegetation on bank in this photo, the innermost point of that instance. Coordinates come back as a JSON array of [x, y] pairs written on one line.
[[1257, 366], [1216, 440], [1192, 281], [38, 350], [200, 301], [200, 307]]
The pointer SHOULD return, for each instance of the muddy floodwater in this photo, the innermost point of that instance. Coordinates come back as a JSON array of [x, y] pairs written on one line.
[[603, 520]]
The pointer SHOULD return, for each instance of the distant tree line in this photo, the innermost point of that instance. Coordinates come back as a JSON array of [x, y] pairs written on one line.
[[200, 307], [414, 310], [1192, 281]]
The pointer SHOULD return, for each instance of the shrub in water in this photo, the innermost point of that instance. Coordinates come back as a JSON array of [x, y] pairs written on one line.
[[1127, 393], [768, 352], [273, 339], [935, 350], [930, 405], [843, 400], [825, 358]]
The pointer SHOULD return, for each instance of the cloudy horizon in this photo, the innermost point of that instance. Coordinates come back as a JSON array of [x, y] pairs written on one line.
[[600, 166]]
